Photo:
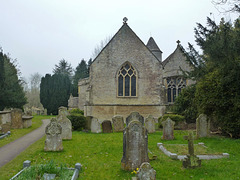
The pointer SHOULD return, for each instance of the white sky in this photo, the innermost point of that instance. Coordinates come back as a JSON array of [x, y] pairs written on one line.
[[39, 33]]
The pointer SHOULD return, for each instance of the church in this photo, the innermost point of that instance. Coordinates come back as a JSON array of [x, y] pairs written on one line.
[[129, 76]]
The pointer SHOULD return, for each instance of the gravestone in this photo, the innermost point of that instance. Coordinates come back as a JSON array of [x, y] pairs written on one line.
[[63, 111], [168, 128], [53, 140], [65, 123], [203, 126], [135, 143], [107, 126], [146, 172], [191, 161], [5, 121], [118, 123], [16, 118], [27, 121], [88, 122], [150, 124], [95, 125]]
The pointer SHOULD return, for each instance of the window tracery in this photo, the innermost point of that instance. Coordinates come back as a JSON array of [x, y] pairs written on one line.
[[174, 87]]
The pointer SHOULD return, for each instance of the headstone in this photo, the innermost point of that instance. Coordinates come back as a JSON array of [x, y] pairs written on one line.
[[150, 124], [27, 121], [88, 122], [168, 128], [191, 161], [134, 116], [16, 118], [203, 126], [95, 125], [146, 172], [107, 126], [5, 121], [135, 143], [54, 139], [63, 111], [66, 125], [118, 123]]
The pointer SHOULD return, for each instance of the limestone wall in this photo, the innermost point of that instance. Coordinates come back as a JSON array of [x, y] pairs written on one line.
[[83, 93]]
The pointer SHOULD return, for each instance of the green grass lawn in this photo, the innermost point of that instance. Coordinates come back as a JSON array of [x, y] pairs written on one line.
[[17, 133], [100, 156]]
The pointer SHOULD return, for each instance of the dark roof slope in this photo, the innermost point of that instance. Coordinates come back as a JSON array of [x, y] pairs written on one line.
[[152, 45]]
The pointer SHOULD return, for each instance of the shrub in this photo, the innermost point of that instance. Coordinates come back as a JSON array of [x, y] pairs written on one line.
[[174, 117], [76, 111], [78, 121]]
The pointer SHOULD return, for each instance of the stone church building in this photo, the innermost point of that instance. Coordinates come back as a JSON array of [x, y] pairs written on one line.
[[129, 76]]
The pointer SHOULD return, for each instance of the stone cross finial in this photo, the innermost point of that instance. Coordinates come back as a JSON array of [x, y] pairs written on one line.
[[178, 42], [125, 20], [190, 143]]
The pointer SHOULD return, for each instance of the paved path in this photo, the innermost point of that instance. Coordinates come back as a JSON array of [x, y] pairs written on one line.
[[11, 150]]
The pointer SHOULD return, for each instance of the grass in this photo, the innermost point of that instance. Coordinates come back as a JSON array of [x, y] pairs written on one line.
[[37, 171], [17, 133], [100, 156]]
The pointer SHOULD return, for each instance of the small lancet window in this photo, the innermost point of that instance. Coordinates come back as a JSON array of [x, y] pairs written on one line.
[[127, 81]]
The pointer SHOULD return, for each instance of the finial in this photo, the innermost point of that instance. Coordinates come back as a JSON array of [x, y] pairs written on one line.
[[125, 20], [178, 42]]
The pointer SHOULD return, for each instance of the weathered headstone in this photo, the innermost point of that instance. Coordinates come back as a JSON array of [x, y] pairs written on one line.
[[63, 111], [134, 116], [192, 161], [135, 143], [88, 122], [203, 126], [53, 140], [66, 125], [146, 172], [150, 124], [118, 123], [16, 118], [5, 121], [107, 126], [95, 125], [168, 128], [27, 121]]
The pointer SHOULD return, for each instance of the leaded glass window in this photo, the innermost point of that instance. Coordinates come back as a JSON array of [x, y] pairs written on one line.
[[127, 81], [174, 87]]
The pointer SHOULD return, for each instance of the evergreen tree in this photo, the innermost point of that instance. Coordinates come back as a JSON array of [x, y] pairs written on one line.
[[11, 90], [64, 68], [80, 73]]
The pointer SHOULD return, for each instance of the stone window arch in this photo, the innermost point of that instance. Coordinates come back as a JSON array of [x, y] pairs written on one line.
[[174, 87], [127, 81]]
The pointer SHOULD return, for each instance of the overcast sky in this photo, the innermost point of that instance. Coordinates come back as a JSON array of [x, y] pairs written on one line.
[[39, 33]]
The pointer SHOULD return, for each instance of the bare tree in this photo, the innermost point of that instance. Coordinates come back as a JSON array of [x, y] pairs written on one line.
[[232, 5], [100, 46]]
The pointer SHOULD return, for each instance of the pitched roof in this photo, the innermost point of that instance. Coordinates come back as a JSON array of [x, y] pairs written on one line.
[[124, 27], [170, 56], [152, 45]]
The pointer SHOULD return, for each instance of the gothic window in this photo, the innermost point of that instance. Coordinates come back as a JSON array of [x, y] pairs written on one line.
[[174, 87], [127, 81]]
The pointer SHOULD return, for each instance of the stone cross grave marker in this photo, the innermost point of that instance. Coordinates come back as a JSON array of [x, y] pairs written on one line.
[[146, 172], [53, 140], [107, 126], [95, 126], [192, 161], [203, 126], [168, 128], [150, 124], [118, 123], [65, 123], [135, 143]]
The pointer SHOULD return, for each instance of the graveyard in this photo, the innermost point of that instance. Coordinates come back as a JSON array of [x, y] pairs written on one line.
[[100, 155]]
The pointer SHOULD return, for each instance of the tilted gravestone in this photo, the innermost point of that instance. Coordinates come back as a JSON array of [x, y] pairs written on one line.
[[16, 118], [146, 172], [118, 123], [203, 126], [150, 124], [95, 125], [65, 123], [53, 140], [107, 126], [135, 143], [192, 161], [168, 128]]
